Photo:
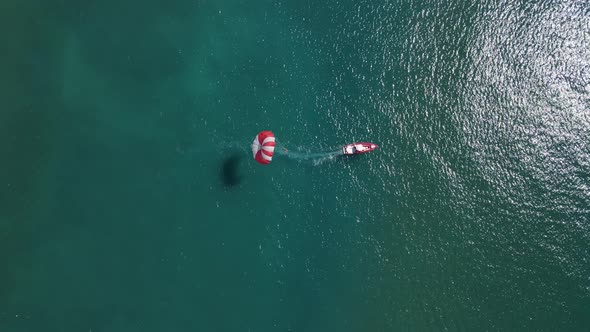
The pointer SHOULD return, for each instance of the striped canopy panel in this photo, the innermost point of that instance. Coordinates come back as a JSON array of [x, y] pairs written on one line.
[[263, 147]]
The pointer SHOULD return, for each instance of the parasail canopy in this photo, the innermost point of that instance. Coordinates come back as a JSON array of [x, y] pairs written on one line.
[[263, 147]]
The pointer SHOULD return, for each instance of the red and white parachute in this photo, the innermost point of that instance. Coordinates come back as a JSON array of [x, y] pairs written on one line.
[[263, 147]]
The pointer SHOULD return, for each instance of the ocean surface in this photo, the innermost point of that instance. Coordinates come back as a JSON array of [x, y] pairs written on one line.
[[129, 199]]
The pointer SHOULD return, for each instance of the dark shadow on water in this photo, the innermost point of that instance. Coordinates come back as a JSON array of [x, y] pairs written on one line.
[[230, 170]]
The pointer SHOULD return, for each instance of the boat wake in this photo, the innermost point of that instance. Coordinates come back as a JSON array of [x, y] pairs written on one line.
[[316, 158]]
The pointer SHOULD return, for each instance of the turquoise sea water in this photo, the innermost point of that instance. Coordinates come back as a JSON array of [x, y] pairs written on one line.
[[129, 200]]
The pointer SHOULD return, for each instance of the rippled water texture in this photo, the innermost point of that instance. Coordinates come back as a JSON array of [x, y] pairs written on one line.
[[129, 200], [479, 209]]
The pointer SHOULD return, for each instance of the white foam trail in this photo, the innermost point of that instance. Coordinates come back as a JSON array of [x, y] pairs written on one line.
[[316, 158], [309, 156]]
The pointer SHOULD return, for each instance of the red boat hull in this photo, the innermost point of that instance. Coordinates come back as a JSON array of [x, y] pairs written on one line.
[[358, 148]]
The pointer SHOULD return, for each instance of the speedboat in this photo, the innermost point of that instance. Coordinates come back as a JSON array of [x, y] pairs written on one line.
[[358, 148]]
